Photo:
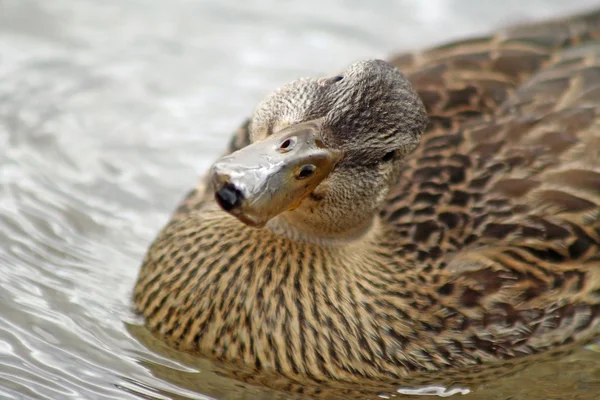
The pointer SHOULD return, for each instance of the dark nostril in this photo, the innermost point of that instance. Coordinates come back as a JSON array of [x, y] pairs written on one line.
[[288, 144], [229, 197]]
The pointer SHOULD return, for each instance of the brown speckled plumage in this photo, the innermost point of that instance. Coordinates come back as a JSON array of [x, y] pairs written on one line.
[[486, 248]]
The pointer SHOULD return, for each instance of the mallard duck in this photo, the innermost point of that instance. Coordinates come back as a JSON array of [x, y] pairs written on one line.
[[377, 223]]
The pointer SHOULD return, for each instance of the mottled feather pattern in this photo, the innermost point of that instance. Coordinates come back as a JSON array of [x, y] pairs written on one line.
[[488, 247]]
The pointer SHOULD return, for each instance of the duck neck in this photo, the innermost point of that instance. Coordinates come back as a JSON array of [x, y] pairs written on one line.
[[297, 227]]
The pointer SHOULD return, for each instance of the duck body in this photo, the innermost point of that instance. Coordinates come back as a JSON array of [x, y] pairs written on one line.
[[484, 247]]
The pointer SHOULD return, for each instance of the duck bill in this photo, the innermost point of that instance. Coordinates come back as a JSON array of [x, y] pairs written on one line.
[[273, 175]]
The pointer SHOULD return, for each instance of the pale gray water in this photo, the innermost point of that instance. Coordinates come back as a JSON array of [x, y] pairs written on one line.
[[108, 111]]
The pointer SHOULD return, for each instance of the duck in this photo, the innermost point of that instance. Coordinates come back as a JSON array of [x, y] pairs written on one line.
[[435, 211]]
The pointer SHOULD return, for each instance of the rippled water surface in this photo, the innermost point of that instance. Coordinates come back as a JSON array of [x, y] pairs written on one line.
[[108, 112]]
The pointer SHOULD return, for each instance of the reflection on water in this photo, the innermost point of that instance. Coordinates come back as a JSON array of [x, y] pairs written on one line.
[[108, 112]]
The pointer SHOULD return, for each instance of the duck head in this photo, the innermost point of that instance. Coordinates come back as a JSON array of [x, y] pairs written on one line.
[[324, 151]]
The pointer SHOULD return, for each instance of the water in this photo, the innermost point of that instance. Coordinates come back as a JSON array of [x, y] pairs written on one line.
[[108, 112]]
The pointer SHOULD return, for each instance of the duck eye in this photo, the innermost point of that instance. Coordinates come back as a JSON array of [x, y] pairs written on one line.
[[388, 156], [306, 171], [336, 78]]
